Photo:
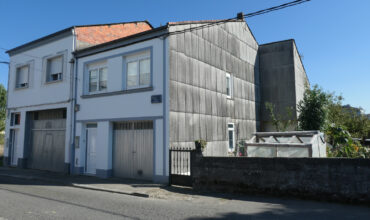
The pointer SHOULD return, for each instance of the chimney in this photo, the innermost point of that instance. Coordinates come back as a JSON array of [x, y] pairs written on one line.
[[240, 16]]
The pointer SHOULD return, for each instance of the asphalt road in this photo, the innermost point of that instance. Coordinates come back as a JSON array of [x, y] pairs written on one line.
[[25, 199]]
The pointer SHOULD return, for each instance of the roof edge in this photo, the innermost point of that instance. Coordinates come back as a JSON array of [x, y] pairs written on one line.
[[276, 42], [31, 44], [115, 23]]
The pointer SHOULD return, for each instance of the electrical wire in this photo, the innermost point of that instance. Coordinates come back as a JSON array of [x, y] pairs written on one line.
[[249, 15]]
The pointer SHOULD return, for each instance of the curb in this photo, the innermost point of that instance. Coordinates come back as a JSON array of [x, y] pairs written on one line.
[[81, 186]]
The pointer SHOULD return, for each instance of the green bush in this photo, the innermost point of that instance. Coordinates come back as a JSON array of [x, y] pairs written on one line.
[[343, 145], [201, 144]]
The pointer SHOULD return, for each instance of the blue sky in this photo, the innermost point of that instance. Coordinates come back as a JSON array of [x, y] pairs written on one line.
[[332, 35]]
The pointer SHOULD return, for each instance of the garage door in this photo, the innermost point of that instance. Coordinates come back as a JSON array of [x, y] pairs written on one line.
[[133, 150], [48, 130]]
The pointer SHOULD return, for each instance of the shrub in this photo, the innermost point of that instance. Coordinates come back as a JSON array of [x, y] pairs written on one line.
[[343, 145], [200, 144]]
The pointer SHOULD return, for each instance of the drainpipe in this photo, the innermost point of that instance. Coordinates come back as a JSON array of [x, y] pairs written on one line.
[[72, 159], [7, 113], [73, 106], [165, 150]]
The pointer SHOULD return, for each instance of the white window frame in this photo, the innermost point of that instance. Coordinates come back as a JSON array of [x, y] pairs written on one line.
[[137, 58], [233, 138], [17, 75], [98, 90], [12, 119], [47, 69], [228, 76]]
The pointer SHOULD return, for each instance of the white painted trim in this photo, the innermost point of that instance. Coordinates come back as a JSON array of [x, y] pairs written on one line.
[[233, 130]]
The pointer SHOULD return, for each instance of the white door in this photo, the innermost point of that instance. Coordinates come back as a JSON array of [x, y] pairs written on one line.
[[13, 147], [91, 133]]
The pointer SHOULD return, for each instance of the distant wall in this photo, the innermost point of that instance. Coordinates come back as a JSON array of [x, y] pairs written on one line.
[[334, 179], [282, 78], [301, 80]]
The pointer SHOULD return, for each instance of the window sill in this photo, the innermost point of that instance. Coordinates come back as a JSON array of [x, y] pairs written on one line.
[[129, 91], [54, 81], [230, 98], [21, 88]]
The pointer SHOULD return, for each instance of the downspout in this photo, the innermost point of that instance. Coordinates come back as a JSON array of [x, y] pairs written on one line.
[[73, 106], [165, 150], [74, 102], [7, 113]]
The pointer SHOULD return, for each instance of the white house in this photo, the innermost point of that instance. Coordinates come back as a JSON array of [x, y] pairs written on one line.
[[39, 126], [121, 117]]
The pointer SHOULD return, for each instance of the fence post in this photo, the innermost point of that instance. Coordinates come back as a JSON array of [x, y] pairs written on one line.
[[170, 168], [193, 155]]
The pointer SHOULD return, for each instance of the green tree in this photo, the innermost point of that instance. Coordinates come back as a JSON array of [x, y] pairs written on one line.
[[2, 107], [323, 111], [313, 109]]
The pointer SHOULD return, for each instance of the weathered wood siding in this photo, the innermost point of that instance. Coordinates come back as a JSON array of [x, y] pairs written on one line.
[[199, 108]]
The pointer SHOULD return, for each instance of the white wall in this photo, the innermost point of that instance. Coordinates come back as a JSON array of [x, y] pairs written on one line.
[[105, 110], [40, 95], [123, 105], [39, 92], [22, 131]]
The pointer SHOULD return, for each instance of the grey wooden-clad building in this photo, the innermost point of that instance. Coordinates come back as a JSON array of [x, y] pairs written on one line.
[[214, 85]]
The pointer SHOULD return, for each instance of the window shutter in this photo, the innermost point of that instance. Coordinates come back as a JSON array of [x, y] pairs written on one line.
[[22, 75], [56, 65]]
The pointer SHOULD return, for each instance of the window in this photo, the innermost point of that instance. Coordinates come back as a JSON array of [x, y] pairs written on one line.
[[98, 78], [138, 71], [229, 86], [15, 119], [22, 76], [230, 129], [54, 69]]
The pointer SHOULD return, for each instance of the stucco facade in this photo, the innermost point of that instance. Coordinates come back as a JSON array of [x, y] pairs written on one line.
[[39, 94], [120, 104]]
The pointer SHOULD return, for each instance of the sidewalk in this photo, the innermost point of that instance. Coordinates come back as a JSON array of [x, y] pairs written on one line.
[[113, 185]]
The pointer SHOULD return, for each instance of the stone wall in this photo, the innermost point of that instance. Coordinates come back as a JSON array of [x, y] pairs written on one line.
[[199, 61], [317, 178]]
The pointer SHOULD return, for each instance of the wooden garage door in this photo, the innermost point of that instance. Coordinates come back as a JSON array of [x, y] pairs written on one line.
[[48, 130], [133, 150]]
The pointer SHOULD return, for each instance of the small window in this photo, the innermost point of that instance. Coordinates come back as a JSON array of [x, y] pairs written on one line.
[[15, 119], [138, 71], [230, 129], [229, 86], [54, 69], [98, 78], [22, 76]]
